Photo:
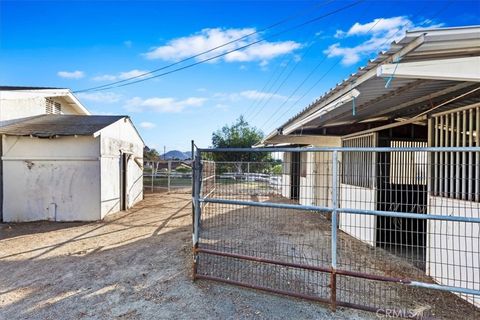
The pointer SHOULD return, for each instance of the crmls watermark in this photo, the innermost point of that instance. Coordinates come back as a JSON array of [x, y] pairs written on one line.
[[402, 313]]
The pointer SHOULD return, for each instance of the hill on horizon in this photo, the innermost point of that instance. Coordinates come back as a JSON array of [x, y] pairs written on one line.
[[176, 154]]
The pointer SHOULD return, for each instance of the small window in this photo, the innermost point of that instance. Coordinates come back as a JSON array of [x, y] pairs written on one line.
[[358, 167], [53, 107]]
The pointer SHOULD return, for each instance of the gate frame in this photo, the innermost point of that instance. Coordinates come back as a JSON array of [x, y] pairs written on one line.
[[197, 200]]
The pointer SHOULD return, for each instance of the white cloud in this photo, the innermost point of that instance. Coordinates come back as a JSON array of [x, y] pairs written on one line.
[[120, 76], [222, 106], [206, 39], [105, 77], [246, 94], [71, 74], [163, 105], [340, 34], [381, 32], [255, 95], [380, 25], [106, 97], [147, 125]]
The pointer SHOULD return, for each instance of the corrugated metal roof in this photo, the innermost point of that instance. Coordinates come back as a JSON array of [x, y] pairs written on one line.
[[49, 125], [373, 89]]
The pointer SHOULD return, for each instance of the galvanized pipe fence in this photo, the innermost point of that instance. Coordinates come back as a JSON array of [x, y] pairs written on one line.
[[167, 176], [355, 227]]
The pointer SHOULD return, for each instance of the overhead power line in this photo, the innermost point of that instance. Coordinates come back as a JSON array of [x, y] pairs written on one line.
[[256, 113], [252, 111], [264, 102], [291, 17], [122, 83], [338, 61]]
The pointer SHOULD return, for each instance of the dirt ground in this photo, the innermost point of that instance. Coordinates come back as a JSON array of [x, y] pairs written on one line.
[[133, 265], [298, 236]]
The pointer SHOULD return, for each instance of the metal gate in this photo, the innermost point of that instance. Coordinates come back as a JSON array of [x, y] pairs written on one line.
[[248, 230]]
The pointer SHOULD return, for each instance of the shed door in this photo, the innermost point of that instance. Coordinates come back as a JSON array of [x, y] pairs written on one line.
[[123, 181]]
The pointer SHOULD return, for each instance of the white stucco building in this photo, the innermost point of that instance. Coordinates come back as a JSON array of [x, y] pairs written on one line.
[[60, 163]]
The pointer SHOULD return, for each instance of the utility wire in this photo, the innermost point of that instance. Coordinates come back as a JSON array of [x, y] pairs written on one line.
[[254, 113], [117, 85], [338, 61], [298, 87], [266, 99], [291, 17], [316, 83], [311, 73], [267, 87]]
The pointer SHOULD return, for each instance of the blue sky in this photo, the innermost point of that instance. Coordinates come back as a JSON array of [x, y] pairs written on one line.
[[80, 44]]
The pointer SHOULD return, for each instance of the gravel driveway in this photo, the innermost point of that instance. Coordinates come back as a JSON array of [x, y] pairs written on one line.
[[133, 265]]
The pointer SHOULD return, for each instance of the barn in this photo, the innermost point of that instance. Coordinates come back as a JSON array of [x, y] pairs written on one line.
[[66, 165], [423, 92]]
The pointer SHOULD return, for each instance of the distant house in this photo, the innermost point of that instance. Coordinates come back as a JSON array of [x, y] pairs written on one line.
[[61, 163]]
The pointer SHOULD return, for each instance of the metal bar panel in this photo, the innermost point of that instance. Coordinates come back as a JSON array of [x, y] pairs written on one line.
[[436, 156], [458, 159], [464, 156], [470, 156], [477, 157], [452, 179], [441, 161], [446, 155], [341, 149], [342, 210]]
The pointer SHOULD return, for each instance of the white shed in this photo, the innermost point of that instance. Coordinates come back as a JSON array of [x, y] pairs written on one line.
[[70, 167]]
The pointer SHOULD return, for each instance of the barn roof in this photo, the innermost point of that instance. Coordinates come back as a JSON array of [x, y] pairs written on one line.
[[49, 125], [364, 96]]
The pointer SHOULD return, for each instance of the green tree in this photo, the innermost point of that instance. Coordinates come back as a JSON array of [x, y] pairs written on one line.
[[238, 135], [277, 169], [150, 154]]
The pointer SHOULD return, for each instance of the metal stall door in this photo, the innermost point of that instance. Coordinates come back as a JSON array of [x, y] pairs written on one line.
[[402, 187]]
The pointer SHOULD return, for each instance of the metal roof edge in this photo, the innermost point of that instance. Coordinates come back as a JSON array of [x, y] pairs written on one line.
[[395, 48]]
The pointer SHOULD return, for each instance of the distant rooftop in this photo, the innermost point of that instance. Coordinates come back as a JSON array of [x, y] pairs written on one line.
[[49, 125]]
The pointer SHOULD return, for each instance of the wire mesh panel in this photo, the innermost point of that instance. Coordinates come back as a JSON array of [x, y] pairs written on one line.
[[299, 221]]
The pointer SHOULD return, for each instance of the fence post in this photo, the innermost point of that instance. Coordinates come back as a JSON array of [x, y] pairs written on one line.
[[333, 277], [153, 166], [197, 209], [169, 173]]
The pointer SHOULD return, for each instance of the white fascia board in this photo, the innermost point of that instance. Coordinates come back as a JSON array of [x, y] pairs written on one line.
[[459, 69], [29, 94], [124, 119], [77, 104], [268, 137], [349, 96]]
